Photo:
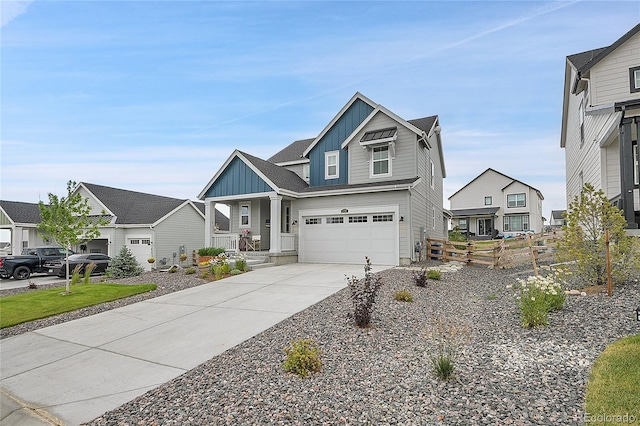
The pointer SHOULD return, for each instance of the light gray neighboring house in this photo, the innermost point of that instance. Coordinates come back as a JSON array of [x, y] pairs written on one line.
[[149, 225], [601, 122], [494, 202], [557, 219], [369, 184]]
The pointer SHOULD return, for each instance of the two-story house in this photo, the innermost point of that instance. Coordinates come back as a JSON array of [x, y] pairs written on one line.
[[369, 184], [495, 203], [601, 122]]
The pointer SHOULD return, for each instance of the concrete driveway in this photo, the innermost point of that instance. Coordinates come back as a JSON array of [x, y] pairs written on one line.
[[78, 370]]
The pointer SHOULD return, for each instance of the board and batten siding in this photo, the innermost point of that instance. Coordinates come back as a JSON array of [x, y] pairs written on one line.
[[184, 227], [332, 141], [610, 77], [403, 164]]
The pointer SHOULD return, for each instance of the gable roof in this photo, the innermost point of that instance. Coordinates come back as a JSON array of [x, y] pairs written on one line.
[[281, 177], [584, 61], [292, 153], [131, 207], [501, 174], [481, 211], [20, 212], [354, 98], [558, 214]]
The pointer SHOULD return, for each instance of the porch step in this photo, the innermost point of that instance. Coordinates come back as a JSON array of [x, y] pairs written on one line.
[[255, 266]]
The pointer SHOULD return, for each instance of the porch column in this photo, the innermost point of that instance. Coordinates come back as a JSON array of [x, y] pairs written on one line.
[[16, 240], [626, 172], [208, 214], [275, 244]]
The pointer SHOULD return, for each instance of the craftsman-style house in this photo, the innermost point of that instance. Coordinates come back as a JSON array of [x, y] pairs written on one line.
[[369, 184]]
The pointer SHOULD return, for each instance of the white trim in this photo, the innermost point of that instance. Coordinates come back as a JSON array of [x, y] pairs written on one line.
[[327, 155], [355, 97], [240, 215], [238, 154], [96, 199], [187, 202], [396, 118], [293, 162], [372, 162]]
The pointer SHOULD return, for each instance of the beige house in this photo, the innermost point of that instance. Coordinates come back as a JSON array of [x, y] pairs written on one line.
[[494, 203], [601, 122]]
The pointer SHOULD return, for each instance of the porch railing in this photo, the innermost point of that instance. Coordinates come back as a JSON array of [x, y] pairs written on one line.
[[231, 242]]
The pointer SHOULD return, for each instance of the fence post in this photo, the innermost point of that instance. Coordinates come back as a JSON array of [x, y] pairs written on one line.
[[608, 251]]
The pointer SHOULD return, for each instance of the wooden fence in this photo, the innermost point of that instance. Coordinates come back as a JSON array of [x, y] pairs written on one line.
[[503, 253]]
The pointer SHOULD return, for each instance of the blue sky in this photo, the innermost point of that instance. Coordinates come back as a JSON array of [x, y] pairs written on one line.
[[154, 96]]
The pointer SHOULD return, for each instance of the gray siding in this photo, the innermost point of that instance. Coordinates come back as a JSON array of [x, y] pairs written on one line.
[[185, 228], [403, 165]]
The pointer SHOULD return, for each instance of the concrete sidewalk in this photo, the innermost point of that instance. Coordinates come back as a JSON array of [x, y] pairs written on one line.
[[74, 372]]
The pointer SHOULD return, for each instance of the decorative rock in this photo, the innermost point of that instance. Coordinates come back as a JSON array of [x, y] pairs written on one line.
[[572, 292]]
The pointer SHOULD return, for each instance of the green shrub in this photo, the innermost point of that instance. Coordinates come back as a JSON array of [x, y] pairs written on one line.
[[241, 264], [539, 296], [456, 235], [235, 272], [420, 278], [449, 338], [403, 296], [173, 269], [210, 251], [190, 271], [303, 357], [124, 265], [363, 294], [434, 274]]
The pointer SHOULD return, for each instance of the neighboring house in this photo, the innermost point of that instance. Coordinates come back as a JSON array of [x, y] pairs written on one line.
[[557, 219], [370, 184], [149, 225], [21, 220], [601, 122], [494, 202]]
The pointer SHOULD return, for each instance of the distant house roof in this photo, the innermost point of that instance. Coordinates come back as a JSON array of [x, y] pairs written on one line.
[[291, 153], [483, 211], [131, 207], [558, 214], [221, 219], [502, 174], [20, 212]]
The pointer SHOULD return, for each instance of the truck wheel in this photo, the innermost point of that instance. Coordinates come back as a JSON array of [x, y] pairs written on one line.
[[21, 273]]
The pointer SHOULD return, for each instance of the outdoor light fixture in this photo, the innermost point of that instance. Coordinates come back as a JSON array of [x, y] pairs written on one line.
[[637, 311], [344, 211], [401, 218]]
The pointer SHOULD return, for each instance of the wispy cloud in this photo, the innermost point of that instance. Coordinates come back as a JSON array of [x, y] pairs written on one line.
[[11, 9]]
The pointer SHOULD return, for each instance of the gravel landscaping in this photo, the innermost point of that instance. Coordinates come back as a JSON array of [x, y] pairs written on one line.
[[382, 375]]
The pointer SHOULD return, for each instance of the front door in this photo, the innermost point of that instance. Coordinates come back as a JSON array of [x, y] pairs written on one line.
[[484, 227]]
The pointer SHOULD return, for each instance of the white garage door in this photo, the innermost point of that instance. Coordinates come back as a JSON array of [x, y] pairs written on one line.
[[348, 238], [141, 249]]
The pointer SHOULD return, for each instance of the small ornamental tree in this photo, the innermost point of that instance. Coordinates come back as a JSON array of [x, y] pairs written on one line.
[[363, 294], [584, 247], [67, 221], [124, 265]]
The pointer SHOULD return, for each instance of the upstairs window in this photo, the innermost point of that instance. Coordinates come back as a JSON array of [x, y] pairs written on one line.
[[488, 200], [634, 79], [581, 118], [432, 176], [516, 200], [380, 161], [331, 165]]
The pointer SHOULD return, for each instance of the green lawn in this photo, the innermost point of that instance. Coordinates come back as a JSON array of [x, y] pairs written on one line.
[[38, 304], [613, 391]]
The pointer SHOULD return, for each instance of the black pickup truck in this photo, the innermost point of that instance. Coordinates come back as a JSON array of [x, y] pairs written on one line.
[[31, 261]]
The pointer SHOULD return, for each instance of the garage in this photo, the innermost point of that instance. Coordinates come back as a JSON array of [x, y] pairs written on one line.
[[349, 237], [140, 247]]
